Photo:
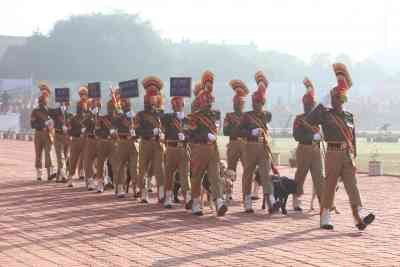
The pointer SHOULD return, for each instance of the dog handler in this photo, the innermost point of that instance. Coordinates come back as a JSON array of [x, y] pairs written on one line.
[[339, 131], [308, 154]]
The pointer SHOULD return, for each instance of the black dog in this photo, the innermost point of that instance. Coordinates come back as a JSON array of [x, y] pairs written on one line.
[[283, 187]]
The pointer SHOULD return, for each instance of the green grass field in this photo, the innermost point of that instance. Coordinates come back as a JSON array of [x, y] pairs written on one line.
[[389, 153]]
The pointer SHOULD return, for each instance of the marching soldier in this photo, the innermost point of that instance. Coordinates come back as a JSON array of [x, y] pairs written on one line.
[[89, 152], [308, 152], [148, 127], [339, 133], [43, 126], [125, 153], [61, 118], [236, 144], [105, 145], [76, 130], [177, 155], [254, 126], [203, 132]]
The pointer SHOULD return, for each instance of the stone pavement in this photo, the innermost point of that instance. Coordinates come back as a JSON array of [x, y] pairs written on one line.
[[45, 224]]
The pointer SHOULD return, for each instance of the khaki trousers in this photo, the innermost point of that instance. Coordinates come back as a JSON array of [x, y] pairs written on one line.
[[150, 156], [89, 156], [76, 153], [235, 152], [255, 156], [61, 147], [338, 164], [309, 158], [105, 149], [205, 159], [177, 159], [42, 143], [125, 154]]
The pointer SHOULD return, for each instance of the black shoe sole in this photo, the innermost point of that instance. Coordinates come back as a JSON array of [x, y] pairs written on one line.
[[199, 213], [327, 227], [168, 206], [249, 211], [144, 202], [366, 221], [221, 212], [369, 219], [52, 177]]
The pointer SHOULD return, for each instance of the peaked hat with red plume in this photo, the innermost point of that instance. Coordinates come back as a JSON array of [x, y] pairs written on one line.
[[344, 81], [240, 89]]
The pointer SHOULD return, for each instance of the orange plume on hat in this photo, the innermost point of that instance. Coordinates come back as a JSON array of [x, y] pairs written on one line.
[[344, 81], [260, 77], [44, 87], [83, 90], [309, 96], [151, 92], [152, 81], [240, 89]]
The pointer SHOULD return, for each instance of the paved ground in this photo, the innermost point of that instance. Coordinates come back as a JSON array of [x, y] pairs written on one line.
[[46, 224]]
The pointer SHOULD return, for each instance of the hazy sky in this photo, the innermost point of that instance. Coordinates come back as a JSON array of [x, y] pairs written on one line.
[[299, 27]]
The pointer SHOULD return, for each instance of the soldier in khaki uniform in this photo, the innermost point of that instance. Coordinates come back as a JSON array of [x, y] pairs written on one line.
[[177, 155], [89, 152], [203, 132], [149, 128], [61, 118], [236, 146], [339, 133], [75, 130], [126, 154], [105, 145], [254, 126], [308, 153], [43, 126]]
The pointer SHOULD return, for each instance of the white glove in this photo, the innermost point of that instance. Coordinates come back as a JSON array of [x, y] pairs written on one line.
[[129, 114], [256, 131], [83, 130], [217, 124], [63, 108], [317, 137], [65, 129], [113, 131], [132, 132], [181, 136], [95, 110], [180, 115], [211, 137], [156, 131]]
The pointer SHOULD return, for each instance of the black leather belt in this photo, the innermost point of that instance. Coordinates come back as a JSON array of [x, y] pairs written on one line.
[[337, 146]]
